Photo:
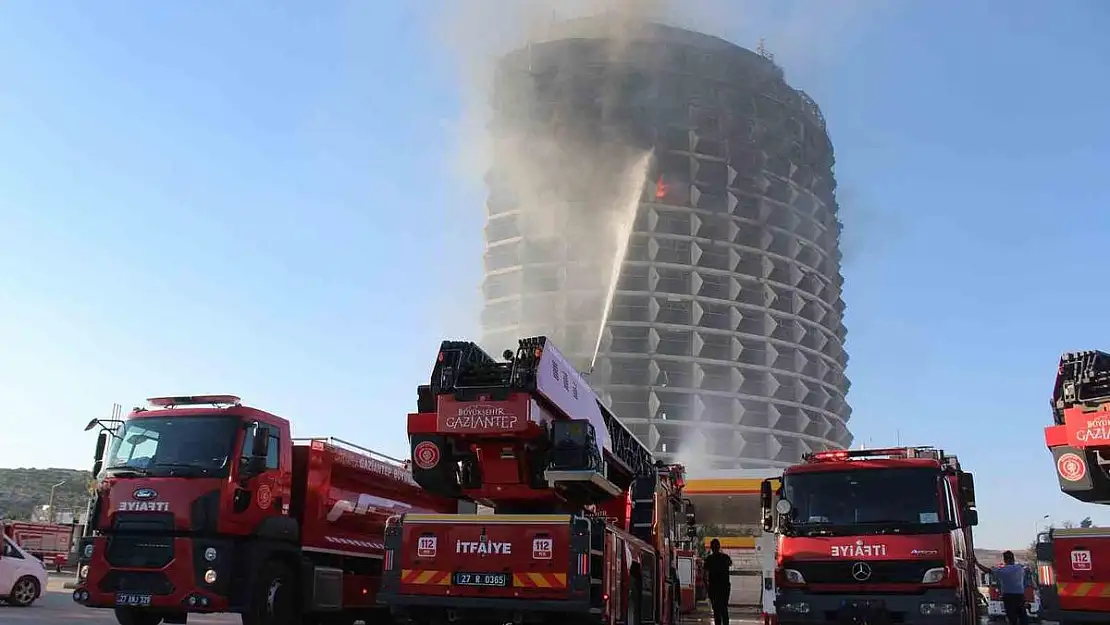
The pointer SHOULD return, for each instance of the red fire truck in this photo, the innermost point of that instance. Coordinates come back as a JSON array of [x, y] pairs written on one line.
[[1074, 564], [49, 542], [206, 505], [874, 536], [586, 522]]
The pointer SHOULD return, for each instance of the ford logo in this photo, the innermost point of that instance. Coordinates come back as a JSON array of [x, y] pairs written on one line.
[[145, 493]]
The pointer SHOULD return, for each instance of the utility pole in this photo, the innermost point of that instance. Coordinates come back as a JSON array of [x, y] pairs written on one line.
[[50, 506]]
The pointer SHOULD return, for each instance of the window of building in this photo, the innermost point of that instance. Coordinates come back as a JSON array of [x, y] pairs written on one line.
[[629, 339], [714, 315], [673, 250], [672, 222], [630, 308], [631, 371], [673, 281], [501, 228], [633, 278], [715, 347], [713, 202], [674, 342], [711, 173], [543, 279], [679, 312], [718, 409], [715, 256], [501, 285], [502, 256]]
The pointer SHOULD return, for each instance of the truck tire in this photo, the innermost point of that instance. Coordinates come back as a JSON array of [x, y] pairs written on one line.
[[132, 616], [273, 600], [24, 592]]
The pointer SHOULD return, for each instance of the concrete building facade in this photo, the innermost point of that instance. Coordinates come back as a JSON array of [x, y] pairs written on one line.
[[724, 343]]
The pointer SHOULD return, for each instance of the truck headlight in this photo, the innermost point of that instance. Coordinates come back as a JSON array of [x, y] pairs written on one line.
[[933, 576], [88, 550], [83, 572], [210, 554], [938, 609], [797, 607], [793, 576], [209, 577]]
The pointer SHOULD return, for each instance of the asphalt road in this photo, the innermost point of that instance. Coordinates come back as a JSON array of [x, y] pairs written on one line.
[[56, 607]]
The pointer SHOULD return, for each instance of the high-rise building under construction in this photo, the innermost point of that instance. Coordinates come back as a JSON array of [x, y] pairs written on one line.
[[722, 343]]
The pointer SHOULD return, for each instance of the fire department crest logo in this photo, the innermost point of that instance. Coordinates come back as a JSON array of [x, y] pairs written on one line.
[[426, 455]]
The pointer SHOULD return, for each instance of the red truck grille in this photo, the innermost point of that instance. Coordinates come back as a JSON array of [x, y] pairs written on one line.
[[141, 541], [153, 582], [139, 552], [882, 571]]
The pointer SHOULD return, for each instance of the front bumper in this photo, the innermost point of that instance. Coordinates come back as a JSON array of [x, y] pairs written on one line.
[[419, 608], [932, 607], [178, 585]]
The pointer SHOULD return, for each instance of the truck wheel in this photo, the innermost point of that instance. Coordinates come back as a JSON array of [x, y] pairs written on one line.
[[131, 616], [274, 598], [24, 592]]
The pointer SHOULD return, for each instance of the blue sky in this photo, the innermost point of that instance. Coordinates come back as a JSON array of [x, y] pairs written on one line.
[[235, 197]]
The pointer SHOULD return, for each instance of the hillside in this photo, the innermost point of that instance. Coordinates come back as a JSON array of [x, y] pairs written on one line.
[[991, 557], [21, 490]]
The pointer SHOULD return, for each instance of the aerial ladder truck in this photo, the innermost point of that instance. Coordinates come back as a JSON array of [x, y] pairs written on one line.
[[1073, 564], [586, 522]]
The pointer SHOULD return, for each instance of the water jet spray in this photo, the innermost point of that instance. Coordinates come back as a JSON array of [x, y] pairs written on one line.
[[622, 232]]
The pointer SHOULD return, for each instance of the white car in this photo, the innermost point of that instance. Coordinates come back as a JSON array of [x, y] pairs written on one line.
[[22, 575]]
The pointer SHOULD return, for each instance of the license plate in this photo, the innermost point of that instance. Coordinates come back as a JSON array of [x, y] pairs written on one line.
[[132, 599], [492, 580]]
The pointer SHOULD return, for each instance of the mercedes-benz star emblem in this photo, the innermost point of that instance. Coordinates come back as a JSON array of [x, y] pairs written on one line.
[[861, 571]]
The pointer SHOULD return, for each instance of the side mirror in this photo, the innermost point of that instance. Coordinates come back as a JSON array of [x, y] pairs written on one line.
[[260, 444], [98, 456], [688, 510], [260, 447], [691, 531], [966, 482], [765, 495], [971, 517]]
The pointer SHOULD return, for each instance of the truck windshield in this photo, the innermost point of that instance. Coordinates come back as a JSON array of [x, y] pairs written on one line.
[[863, 501], [198, 446]]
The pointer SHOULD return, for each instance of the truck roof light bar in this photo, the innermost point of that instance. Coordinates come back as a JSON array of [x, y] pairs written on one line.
[[842, 455], [194, 400]]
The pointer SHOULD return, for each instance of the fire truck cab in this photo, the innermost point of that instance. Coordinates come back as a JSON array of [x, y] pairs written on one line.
[[879, 535], [204, 505]]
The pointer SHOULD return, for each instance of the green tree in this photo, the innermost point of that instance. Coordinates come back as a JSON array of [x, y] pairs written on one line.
[[24, 490], [1086, 522]]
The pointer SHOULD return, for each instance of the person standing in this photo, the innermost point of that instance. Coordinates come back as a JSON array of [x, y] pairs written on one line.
[[718, 584], [1011, 579]]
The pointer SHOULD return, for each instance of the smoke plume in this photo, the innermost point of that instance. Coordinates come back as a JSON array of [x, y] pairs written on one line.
[[570, 182]]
